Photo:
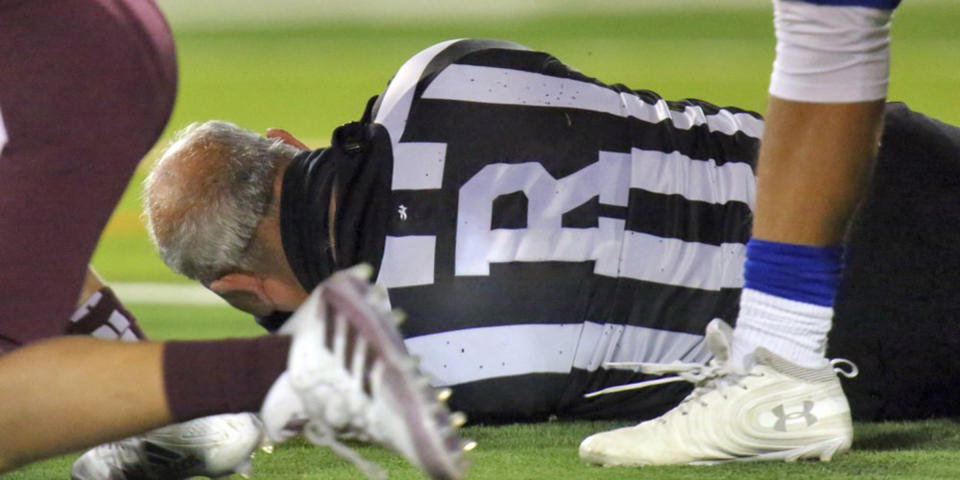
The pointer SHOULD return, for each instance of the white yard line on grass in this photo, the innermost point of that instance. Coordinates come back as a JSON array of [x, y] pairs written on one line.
[[166, 294], [217, 14]]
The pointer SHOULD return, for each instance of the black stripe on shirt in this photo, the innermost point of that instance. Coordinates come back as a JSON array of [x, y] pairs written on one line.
[[429, 212], [673, 216], [492, 132], [555, 293], [537, 396]]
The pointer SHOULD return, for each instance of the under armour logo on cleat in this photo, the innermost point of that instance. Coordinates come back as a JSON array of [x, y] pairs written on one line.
[[403, 212], [783, 417]]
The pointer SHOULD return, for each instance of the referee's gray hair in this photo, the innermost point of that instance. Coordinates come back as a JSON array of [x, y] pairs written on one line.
[[206, 195]]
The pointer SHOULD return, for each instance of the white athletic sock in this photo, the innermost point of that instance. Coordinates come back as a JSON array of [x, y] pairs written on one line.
[[796, 331]]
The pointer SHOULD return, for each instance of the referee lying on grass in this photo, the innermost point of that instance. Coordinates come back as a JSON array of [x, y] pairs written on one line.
[[535, 223]]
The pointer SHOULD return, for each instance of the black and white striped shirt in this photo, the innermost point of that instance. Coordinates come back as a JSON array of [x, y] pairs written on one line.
[[544, 222]]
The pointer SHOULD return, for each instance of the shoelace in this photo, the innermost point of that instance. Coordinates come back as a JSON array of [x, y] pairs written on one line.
[[354, 427], [321, 434], [696, 373], [707, 377]]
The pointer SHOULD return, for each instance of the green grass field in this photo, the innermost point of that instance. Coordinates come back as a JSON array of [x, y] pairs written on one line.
[[313, 76], [914, 450]]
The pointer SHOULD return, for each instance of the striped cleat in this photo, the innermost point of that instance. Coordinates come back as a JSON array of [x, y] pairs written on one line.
[[350, 376]]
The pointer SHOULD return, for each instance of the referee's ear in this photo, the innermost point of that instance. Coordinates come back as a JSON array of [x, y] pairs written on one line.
[[243, 291], [286, 137]]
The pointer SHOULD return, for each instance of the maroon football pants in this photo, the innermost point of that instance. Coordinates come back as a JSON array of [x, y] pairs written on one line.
[[86, 88]]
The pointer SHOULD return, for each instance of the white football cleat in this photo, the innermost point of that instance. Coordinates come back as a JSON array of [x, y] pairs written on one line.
[[212, 447], [350, 376], [775, 411]]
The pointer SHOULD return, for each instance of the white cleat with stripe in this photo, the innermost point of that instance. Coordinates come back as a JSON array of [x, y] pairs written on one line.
[[349, 376], [775, 411]]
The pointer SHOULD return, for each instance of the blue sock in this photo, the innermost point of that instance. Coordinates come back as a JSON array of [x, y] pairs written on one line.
[[801, 273]]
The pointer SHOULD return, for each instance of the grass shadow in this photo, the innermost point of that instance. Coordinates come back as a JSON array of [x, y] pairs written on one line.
[[889, 436]]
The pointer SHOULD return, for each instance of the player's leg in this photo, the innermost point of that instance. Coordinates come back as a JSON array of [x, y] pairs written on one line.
[[72, 392], [347, 372], [823, 127], [105, 70], [822, 131], [805, 198], [109, 389], [212, 446], [84, 95], [102, 389], [821, 134]]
